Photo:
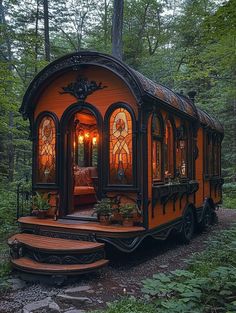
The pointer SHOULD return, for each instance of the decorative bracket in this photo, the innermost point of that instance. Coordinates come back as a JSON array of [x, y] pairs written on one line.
[[82, 87]]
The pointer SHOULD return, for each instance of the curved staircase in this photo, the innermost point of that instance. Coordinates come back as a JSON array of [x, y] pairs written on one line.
[[55, 256]]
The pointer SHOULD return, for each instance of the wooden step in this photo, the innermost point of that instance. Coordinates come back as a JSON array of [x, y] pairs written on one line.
[[49, 244], [30, 266]]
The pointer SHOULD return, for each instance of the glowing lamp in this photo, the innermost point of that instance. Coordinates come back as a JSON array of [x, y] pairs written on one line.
[[87, 135], [81, 139], [94, 140]]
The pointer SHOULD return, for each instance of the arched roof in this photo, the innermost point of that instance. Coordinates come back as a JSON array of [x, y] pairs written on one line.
[[208, 121], [138, 84]]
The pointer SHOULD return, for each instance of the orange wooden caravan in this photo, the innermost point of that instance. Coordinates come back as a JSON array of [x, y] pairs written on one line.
[[105, 136]]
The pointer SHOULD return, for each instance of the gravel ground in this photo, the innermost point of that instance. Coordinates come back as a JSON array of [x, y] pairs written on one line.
[[123, 275]]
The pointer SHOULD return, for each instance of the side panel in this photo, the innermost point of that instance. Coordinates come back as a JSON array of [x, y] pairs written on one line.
[[159, 213], [199, 169]]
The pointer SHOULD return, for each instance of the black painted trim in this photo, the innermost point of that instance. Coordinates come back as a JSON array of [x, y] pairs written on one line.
[[65, 179], [107, 186]]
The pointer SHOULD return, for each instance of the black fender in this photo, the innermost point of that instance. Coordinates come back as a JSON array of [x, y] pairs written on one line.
[[192, 207]]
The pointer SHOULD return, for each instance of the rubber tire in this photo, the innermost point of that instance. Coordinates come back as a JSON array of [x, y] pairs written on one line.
[[187, 231]]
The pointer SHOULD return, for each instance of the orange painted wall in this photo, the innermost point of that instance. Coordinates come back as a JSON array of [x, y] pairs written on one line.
[[171, 212], [117, 90], [199, 169]]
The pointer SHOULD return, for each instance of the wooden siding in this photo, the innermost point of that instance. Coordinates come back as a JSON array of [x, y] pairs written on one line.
[[199, 169], [117, 91]]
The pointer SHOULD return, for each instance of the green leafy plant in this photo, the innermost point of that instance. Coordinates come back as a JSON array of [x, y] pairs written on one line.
[[40, 202], [129, 305], [208, 285], [104, 207], [128, 210]]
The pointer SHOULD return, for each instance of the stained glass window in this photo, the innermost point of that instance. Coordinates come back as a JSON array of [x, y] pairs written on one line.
[[120, 148], [181, 151], [168, 150], [46, 151], [156, 148]]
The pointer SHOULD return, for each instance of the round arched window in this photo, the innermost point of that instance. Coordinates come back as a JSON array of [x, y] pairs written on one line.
[[46, 151], [120, 148]]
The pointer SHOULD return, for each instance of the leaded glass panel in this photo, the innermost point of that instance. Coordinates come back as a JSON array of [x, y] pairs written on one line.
[[46, 171], [120, 148]]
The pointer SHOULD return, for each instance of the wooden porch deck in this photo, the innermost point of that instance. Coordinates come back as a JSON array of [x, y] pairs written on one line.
[[76, 226]]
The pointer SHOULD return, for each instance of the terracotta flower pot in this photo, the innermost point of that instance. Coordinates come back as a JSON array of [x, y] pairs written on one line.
[[104, 220], [128, 222], [116, 217], [42, 214]]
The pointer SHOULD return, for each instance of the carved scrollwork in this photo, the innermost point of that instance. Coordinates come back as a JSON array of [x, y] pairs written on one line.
[[81, 88], [82, 237], [84, 258], [16, 250]]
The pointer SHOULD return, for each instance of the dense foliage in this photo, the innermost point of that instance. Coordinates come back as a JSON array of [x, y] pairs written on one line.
[[206, 286]]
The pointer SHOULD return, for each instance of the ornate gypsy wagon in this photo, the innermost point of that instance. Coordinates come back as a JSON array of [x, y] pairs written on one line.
[[102, 130]]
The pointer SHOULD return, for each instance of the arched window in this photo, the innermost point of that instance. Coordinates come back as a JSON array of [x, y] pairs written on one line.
[[169, 150], [181, 151], [157, 138], [46, 151], [120, 147]]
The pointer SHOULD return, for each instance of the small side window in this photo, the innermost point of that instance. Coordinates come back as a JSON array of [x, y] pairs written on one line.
[[157, 139], [169, 150]]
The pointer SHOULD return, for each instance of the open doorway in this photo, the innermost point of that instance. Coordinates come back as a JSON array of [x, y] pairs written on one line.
[[84, 137]]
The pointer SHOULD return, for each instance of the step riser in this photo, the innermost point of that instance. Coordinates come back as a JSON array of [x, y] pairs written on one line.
[[84, 258], [59, 234]]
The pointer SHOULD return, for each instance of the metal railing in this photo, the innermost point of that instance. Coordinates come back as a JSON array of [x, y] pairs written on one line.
[[23, 200]]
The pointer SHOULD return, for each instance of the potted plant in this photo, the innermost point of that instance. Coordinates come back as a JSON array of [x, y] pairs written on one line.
[[40, 205], [103, 209], [128, 211]]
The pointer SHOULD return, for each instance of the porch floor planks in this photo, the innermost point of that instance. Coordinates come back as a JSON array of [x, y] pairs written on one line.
[[81, 225], [55, 244], [28, 265]]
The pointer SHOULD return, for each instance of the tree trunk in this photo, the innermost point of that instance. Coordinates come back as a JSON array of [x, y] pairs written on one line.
[[105, 23], [117, 26], [46, 31], [36, 38]]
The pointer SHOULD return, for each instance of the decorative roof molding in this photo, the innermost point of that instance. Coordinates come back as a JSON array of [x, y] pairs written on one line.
[[141, 87]]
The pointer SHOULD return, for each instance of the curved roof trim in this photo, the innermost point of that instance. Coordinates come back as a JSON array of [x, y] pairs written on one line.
[[73, 62], [138, 84], [208, 121]]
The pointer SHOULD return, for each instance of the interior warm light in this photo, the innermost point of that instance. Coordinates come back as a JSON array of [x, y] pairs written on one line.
[[87, 135], [81, 139], [95, 139]]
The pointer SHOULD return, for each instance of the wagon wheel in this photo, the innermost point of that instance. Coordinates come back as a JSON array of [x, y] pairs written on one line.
[[188, 226], [207, 218]]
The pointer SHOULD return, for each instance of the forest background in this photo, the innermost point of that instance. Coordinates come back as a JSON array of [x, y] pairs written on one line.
[[183, 44]]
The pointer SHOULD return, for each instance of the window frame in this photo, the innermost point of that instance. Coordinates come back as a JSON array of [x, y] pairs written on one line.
[[158, 138], [36, 183], [184, 137], [107, 185], [173, 152]]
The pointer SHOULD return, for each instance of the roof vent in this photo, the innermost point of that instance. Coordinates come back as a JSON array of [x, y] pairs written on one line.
[[191, 95]]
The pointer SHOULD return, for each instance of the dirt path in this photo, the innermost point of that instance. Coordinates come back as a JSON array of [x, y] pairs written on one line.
[[123, 275]]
